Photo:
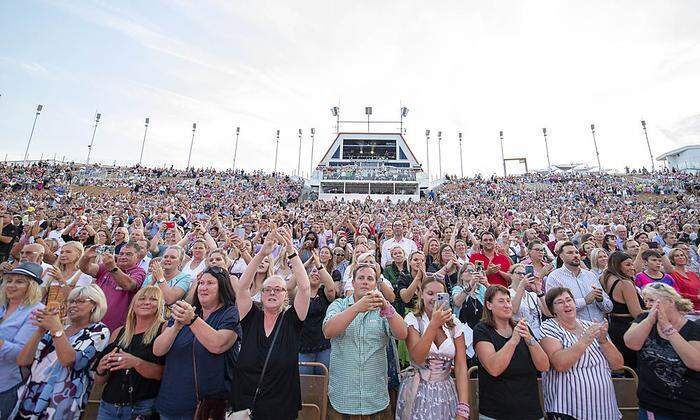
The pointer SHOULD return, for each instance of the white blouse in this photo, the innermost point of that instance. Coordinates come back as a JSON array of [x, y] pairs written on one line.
[[447, 347]]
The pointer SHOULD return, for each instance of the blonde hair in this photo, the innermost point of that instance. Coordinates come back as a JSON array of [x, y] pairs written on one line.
[[31, 297], [420, 305], [130, 324], [95, 294], [672, 255], [125, 231], [663, 290], [78, 247], [595, 253]]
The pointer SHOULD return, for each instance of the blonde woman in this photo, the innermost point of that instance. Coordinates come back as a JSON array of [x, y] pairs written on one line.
[[61, 278], [20, 296], [62, 357], [435, 342], [668, 361], [129, 363], [599, 261]]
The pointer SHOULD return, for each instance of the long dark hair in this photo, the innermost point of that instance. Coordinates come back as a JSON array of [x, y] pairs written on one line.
[[614, 268], [226, 295]]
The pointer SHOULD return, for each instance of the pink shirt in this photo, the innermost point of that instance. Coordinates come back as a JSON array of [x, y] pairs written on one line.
[[118, 299]]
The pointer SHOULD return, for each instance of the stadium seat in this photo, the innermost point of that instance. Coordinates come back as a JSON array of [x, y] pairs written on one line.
[[93, 404], [626, 394], [314, 394]]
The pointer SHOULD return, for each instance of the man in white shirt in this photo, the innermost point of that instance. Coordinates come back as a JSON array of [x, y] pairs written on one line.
[[408, 245], [592, 303]]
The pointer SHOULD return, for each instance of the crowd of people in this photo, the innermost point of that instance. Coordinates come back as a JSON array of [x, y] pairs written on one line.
[[201, 294]]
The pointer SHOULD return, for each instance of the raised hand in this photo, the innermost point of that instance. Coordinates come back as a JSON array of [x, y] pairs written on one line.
[[439, 317]]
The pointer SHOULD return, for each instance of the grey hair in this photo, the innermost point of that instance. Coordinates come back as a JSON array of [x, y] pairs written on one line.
[[95, 294]]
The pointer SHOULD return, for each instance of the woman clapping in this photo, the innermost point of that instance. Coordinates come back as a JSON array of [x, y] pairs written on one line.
[[129, 367], [582, 356], [62, 357], [669, 356]]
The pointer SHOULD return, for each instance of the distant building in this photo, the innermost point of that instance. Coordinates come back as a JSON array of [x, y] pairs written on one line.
[[375, 165], [686, 158]]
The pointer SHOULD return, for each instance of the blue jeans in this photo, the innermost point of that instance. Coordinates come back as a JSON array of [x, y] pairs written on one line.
[[125, 412], [8, 400], [176, 417], [323, 356], [644, 415]]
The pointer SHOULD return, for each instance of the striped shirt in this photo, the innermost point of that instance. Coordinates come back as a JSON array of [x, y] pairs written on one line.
[[580, 286], [585, 391], [358, 383]]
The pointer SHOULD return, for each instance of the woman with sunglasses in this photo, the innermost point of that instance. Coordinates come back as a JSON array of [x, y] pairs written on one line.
[[537, 253], [62, 357], [668, 345], [199, 345], [271, 332]]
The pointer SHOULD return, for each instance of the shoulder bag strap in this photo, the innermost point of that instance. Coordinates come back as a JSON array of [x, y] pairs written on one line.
[[267, 358]]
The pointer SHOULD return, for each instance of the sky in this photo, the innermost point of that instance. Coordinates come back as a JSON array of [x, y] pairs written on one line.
[[458, 66]]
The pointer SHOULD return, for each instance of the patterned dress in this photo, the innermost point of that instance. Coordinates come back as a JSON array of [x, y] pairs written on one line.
[[427, 391], [53, 391]]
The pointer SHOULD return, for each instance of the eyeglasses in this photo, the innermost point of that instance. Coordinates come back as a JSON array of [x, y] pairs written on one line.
[[79, 301], [339, 255], [273, 290]]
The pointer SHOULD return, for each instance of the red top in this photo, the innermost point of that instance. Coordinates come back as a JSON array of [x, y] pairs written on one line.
[[688, 286], [497, 259]]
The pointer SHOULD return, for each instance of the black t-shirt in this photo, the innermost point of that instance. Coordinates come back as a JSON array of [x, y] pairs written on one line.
[[117, 388], [666, 385], [312, 338], [13, 232], [513, 394], [280, 394]]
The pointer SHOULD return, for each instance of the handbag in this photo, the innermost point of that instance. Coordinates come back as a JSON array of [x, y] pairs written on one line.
[[208, 408], [247, 414]]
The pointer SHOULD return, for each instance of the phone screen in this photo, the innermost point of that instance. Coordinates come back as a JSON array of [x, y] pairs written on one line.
[[529, 270]]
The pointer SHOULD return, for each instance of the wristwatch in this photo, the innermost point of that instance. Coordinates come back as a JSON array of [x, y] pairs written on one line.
[[531, 341], [57, 333], [319, 268], [162, 280], [114, 270]]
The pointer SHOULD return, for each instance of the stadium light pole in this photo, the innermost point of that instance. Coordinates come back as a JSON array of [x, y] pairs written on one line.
[[299, 156], [277, 147], [546, 148], [143, 143], [97, 120], [189, 156], [368, 112], [651, 156], [235, 148], [427, 154], [595, 145], [503, 156], [439, 154], [335, 111], [31, 134], [461, 166], [404, 113], [311, 165]]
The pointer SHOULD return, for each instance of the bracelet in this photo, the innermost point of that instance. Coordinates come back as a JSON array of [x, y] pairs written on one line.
[[387, 312], [290, 256], [463, 410], [193, 319], [539, 295], [669, 330], [320, 267]]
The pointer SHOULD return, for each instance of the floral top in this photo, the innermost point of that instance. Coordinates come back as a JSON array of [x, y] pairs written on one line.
[[53, 391]]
